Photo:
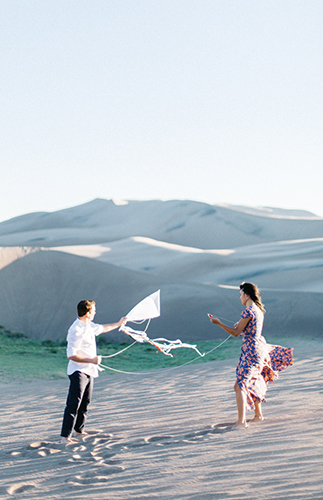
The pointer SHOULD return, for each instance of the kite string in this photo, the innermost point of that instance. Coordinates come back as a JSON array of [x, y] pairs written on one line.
[[119, 352], [225, 319], [198, 357], [149, 320], [141, 322], [120, 371], [171, 368], [128, 347]]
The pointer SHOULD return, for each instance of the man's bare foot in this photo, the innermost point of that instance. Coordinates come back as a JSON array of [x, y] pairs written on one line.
[[68, 440], [80, 434], [240, 426]]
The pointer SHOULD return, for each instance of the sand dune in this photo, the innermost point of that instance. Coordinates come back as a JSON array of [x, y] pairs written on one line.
[[185, 223], [276, 262], [197, 254]]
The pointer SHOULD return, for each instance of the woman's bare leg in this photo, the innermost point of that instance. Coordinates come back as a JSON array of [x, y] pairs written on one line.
[[258, 412], [241, 405]]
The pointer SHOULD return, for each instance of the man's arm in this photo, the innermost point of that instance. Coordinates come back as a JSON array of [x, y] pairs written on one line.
[[113, 326], [81, 359]]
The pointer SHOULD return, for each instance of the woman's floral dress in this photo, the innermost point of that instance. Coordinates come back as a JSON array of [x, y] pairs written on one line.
[[259, 362]]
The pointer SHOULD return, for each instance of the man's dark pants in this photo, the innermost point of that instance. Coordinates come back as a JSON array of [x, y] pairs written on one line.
[[78, 399]]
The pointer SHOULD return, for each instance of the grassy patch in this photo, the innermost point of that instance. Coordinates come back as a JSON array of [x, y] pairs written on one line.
[[22, 358], [146, 357]]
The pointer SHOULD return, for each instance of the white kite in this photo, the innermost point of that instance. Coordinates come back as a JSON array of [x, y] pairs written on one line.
[[148, 309]]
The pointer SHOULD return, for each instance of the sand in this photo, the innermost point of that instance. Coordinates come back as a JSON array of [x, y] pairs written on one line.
[[167, 434]]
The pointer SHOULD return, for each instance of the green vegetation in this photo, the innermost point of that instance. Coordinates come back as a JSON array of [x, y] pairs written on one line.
[[22, 358], [147, 357]]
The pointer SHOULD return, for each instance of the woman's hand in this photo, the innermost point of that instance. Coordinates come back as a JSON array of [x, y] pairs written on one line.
[[236, 330], [213, 320]]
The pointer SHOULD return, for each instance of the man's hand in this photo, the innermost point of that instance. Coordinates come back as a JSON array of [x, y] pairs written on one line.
[[113, 326], [122, 321], [97, 360]]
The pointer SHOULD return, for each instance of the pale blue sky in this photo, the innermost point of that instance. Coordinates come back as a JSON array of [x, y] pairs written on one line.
[[211, 100]]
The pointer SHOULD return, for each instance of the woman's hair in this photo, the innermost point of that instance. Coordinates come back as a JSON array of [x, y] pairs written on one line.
[[84, 306], [253, 292]]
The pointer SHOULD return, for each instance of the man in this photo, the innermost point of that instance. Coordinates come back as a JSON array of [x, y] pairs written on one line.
[[82, 367]]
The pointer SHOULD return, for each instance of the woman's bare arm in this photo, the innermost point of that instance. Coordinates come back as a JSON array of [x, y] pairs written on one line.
[[232, 330]]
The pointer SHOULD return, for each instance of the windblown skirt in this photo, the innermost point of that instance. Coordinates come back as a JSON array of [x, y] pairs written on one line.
[[259, 364]]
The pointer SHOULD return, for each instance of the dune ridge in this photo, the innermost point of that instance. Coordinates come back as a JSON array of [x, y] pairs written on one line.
[[184, 222], [197, 254]]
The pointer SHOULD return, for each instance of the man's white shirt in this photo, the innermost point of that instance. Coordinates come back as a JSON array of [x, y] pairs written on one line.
[[81, 341]]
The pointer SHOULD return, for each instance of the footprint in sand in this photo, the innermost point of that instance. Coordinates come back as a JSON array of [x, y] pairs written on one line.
[[16, 453], [36, 450], [156, 439], [99, 448], [43, 449], [195, 436], [214, 429], [19, 488], [161, 440], [219, 428], [97, 476], [94, 447]]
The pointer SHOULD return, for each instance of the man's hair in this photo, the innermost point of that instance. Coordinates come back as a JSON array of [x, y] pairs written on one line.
[[84, 306]]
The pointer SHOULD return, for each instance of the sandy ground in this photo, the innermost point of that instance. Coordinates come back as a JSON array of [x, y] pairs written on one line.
[[167, 434]]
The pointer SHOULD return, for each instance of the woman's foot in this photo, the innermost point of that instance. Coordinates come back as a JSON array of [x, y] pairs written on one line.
[[239, 425], [258, 418]]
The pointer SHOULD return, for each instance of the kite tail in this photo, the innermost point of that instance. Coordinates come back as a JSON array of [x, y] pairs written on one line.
[[160, 347]]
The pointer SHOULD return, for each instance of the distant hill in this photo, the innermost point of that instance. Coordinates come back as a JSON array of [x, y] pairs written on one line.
[[188, 223], [197, 254]]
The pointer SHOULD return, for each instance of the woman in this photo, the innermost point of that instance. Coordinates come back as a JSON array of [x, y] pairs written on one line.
[[259, 362]]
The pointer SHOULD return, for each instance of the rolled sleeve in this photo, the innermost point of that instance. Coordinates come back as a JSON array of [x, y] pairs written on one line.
[[74, 340], [97, 329]]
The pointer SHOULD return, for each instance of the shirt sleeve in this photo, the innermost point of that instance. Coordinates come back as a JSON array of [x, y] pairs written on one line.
[[247, 313], [96, 328], [74, 339]]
